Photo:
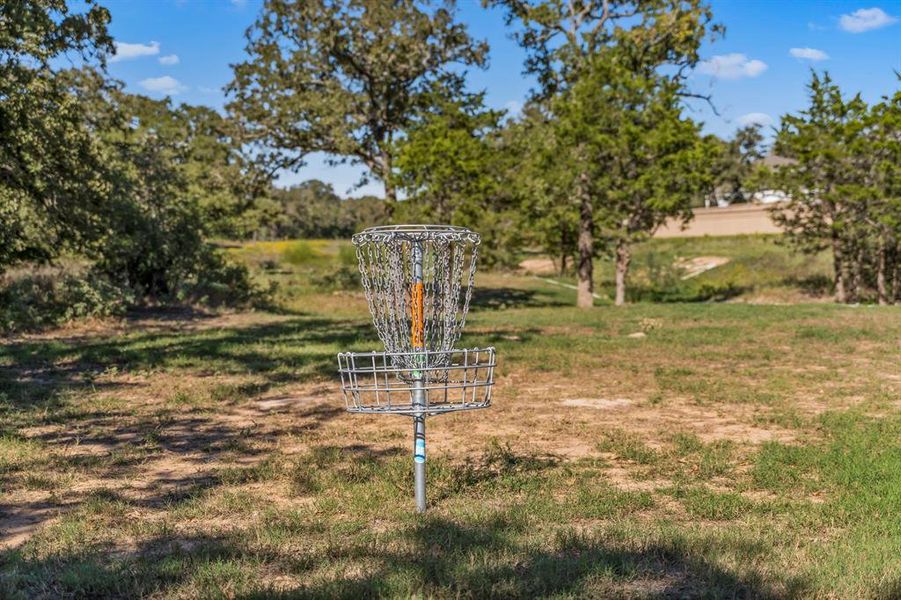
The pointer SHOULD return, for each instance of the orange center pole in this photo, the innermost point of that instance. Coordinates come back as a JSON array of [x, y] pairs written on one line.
[[418, 333]]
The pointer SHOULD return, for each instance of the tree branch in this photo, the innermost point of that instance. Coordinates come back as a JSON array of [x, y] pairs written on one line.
[[705, 97]]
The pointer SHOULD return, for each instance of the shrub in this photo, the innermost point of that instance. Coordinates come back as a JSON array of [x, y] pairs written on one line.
[[347, 256], [50, 297], [216, 281], [342, 278], [299, 253]]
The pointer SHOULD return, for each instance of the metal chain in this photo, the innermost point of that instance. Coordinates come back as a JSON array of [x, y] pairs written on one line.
[[385, 260]]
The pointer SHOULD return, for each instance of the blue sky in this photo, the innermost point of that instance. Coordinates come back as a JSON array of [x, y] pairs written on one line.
[[757, 72]]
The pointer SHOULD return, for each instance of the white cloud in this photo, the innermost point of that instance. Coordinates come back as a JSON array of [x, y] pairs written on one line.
[[808, 53], [239, 3], [732, 66], [513, 108], [169, 59], [125, 51], [755, 118], [164, 85], [865, 19]]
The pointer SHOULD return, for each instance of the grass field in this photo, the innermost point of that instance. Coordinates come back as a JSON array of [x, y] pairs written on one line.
[[704, 449]]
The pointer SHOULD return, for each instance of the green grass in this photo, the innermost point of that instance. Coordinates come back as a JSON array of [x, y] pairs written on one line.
[[758, 454]]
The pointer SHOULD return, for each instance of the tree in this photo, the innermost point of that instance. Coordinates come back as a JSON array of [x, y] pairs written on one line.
[[443, 163], [825, 185], [312, 209], [50, 166], [733, 163], [882, 144], [539, 179], [452, 166], [657, 164], [567, 41], [222, 183], [345, 77]]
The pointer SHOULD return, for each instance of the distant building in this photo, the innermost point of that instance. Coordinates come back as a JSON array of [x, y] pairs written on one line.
[[770, 161]]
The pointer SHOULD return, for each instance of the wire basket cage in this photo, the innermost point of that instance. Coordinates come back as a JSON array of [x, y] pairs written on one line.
[[449, 380], [418, 283]]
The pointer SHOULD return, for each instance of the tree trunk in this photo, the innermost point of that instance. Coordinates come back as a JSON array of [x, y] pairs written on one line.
[[896, 276], [838, 264], [390, 192], [857, 275], [623, 258], [564, 251], [881, 265], [585, 293]]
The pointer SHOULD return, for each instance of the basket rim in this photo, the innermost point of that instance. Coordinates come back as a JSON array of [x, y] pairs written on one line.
[[372, 353], [412, 410], [416, 232]]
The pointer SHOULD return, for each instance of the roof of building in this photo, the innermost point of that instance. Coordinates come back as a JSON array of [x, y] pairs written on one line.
[[773, 160]]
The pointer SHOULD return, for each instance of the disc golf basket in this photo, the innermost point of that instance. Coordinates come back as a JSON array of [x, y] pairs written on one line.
[[418, 283]]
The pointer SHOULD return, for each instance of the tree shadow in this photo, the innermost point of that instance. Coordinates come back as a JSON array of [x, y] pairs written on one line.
[[686, 292], [498, 298], [486, 553], [109, 441], [434, 556], [815, 286], [34, 372]]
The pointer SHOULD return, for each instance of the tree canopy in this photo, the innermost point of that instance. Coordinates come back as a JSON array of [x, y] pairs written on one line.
[[346, 77]]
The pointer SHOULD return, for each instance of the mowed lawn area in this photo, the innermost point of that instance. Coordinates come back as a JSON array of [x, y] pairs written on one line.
[[711, 449]]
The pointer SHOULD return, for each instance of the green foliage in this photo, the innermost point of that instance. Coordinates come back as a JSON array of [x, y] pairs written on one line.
[[342, 278], [843, 186], [52, 181], [453, 166], [51, 297], [732, 164], [128, 183], [299, 253], [345, 77], [312, 209], [215, 280], [615, 149]]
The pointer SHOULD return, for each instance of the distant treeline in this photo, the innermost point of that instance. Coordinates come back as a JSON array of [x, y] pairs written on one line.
[[312, 209]]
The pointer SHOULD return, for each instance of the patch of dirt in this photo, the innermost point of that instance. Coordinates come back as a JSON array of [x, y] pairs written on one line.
[[538, 266], [22, 515], [699, 264], [599, 403]]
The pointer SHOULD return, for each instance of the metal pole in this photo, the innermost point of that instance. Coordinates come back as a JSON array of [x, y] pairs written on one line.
[[419, 448], [419, 394]]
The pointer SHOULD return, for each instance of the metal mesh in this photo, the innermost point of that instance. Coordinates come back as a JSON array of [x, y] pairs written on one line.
[[451, 380], [387, 256]]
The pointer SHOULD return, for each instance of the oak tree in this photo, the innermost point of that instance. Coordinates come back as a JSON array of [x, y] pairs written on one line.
[[346, 78]]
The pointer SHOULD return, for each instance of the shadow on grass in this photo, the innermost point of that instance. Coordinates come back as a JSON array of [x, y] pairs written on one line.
[[112, 439], [690, 291], [501, 552], [815, 286], [507, 297], [430, 557], [35, 372]]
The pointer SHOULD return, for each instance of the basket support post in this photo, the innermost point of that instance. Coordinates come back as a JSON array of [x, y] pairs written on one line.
[[419, 453], [419, 394]]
